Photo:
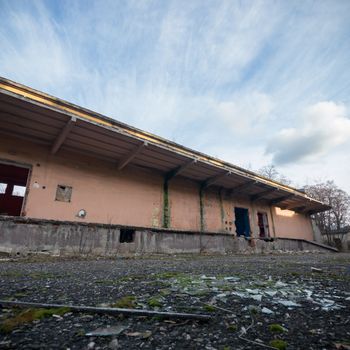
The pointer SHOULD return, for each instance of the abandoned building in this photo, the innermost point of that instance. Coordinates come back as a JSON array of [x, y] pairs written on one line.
[[75, 182]]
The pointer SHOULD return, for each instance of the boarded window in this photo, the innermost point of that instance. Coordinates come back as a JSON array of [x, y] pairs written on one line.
[[63, 193], [126, 235]]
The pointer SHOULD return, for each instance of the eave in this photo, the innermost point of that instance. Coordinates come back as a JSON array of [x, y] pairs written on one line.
[[29, 114]]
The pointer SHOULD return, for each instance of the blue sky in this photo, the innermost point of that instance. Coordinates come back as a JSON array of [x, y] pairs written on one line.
[[251, 82]]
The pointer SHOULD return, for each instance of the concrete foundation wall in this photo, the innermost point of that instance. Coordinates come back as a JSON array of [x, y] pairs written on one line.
[[21, 237]]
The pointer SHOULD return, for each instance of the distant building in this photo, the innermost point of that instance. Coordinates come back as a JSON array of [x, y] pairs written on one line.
[[74, 181]]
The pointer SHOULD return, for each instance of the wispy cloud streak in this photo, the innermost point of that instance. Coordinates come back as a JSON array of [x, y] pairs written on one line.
[[234, 79]]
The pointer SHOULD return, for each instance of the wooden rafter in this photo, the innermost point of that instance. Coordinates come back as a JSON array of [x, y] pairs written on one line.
[[281, 199], [130, 156], [178, 170], [212, 180], [63, 135], [242, 187], [263, 194]]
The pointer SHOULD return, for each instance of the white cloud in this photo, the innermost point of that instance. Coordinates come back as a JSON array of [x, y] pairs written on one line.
[[218, 77], [323, 127], [39, 53], [246, 113]]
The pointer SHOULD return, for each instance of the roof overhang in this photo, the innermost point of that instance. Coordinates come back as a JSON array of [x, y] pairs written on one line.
[[28, 114]]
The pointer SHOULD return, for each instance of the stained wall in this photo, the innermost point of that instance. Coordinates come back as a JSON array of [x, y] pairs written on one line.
[[129, 197], [134, 196]]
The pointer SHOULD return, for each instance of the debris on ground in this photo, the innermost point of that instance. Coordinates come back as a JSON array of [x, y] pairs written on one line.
[[253, 302], [107, 331]]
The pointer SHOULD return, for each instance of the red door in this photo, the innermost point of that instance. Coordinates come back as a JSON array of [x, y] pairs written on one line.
[[13, 182]]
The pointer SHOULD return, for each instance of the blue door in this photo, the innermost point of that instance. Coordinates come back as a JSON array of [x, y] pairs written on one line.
[[242, 222]]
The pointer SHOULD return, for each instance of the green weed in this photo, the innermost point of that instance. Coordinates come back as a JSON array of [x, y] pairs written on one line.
[[278, 344], [28, 316], [127, 302], [276, 328]]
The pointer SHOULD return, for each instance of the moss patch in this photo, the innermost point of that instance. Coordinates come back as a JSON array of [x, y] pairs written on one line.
[[276, 328], [232, 327], [166, 209], [209, 308], [127, 302], [164, 292], [154, 302], [278, 344], [201, 209], [108, 282], [30, 315], [12, 274], [167, 275]]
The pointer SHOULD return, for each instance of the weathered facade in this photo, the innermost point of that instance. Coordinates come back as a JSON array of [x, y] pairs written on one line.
[[63, 163]]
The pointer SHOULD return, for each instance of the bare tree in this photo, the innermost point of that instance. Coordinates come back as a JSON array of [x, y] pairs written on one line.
[[272, 173], [336, 219]]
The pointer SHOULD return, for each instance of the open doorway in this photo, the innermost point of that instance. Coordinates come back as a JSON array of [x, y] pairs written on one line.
[[242, 222], [13, 182], [263, 224]]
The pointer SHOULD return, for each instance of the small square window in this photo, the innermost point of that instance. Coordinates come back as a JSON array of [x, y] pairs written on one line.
[[19, 191], [126, 235], [63, 193], [3, 187]]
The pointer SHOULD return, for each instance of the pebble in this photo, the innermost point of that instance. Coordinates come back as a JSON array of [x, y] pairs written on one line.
[[91, 345], [114, 344]]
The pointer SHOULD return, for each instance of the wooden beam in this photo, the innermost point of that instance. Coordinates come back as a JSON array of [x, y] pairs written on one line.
[[289, 206], [242, 187], [315, 210], [262, 194], [281, 199], [299, 208], [179, 169], [63, 135], [129, 157], [212, 180]]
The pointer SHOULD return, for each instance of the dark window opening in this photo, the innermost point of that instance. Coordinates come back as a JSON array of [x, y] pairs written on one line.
[[13, 182], [242, 222], [263, 225], [126, 235], [63, 193]]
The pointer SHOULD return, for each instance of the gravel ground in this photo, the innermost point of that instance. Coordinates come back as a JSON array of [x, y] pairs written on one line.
[[253, 300]]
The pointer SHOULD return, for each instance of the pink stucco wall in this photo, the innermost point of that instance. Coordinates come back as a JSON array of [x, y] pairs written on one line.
[[253, 208], [212, 210], [130, 197], [292, 225], [184, 204], [133, 196]]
